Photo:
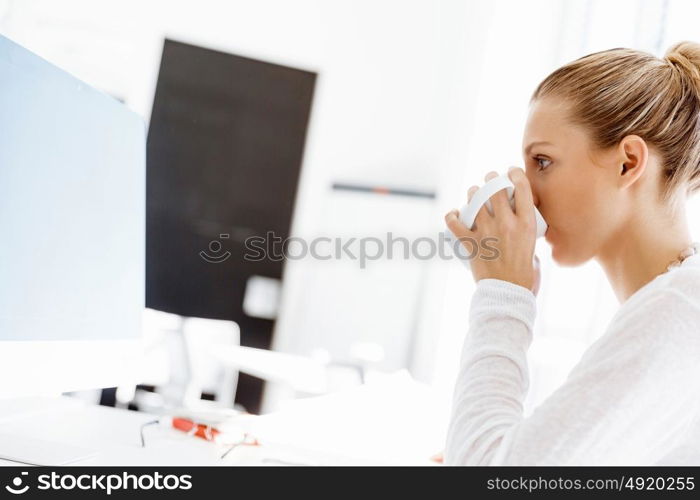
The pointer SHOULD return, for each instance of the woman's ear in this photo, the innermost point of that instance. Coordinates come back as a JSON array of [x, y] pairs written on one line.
[[634, 154]]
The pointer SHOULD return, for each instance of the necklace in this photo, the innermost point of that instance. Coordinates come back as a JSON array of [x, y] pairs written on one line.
[[691, 250]]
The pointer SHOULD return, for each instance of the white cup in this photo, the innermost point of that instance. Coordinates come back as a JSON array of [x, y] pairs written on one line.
[[468, 213]]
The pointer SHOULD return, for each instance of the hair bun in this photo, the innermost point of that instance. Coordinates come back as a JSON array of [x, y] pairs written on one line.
[[686, 57]]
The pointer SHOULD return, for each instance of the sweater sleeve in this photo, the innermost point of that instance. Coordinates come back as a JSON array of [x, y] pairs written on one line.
[[627, 401], [493, 376]]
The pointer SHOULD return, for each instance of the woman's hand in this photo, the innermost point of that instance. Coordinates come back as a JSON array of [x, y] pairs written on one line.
[[514, 233]]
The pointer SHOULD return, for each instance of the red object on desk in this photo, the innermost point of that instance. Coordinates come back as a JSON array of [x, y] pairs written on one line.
[[200, 430]]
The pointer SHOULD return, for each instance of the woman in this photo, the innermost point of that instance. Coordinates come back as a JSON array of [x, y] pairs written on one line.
[[612, 149]]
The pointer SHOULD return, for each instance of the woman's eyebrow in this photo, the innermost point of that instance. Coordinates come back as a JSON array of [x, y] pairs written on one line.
[[536, 143]]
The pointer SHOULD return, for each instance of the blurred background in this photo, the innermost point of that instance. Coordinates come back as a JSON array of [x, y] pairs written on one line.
[[334, 119]]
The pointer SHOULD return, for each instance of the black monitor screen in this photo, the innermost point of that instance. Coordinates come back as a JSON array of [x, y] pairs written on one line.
[[225, 148]]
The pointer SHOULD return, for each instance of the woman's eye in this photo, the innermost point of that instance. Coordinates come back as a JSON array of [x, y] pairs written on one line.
[[540, 165]]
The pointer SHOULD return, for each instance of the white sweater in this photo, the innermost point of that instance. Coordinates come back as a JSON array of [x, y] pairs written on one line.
[[632, 399]]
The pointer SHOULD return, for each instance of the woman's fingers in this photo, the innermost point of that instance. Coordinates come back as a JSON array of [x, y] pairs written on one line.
[[490, 175], [452, 218], [455, 225], [499, 201], [515, 261], [523, 193]]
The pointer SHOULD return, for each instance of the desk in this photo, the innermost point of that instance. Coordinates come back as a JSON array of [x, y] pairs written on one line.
[[115, 434], [111, 431], [386, 423]]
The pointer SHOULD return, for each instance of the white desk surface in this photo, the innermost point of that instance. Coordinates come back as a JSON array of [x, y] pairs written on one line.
[[113, 432], [339, 429]]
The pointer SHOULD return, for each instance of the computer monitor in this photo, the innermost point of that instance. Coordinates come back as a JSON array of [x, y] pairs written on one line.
[[72, 231]]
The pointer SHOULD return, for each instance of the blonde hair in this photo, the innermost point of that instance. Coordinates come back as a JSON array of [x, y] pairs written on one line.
[[621, 91]]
